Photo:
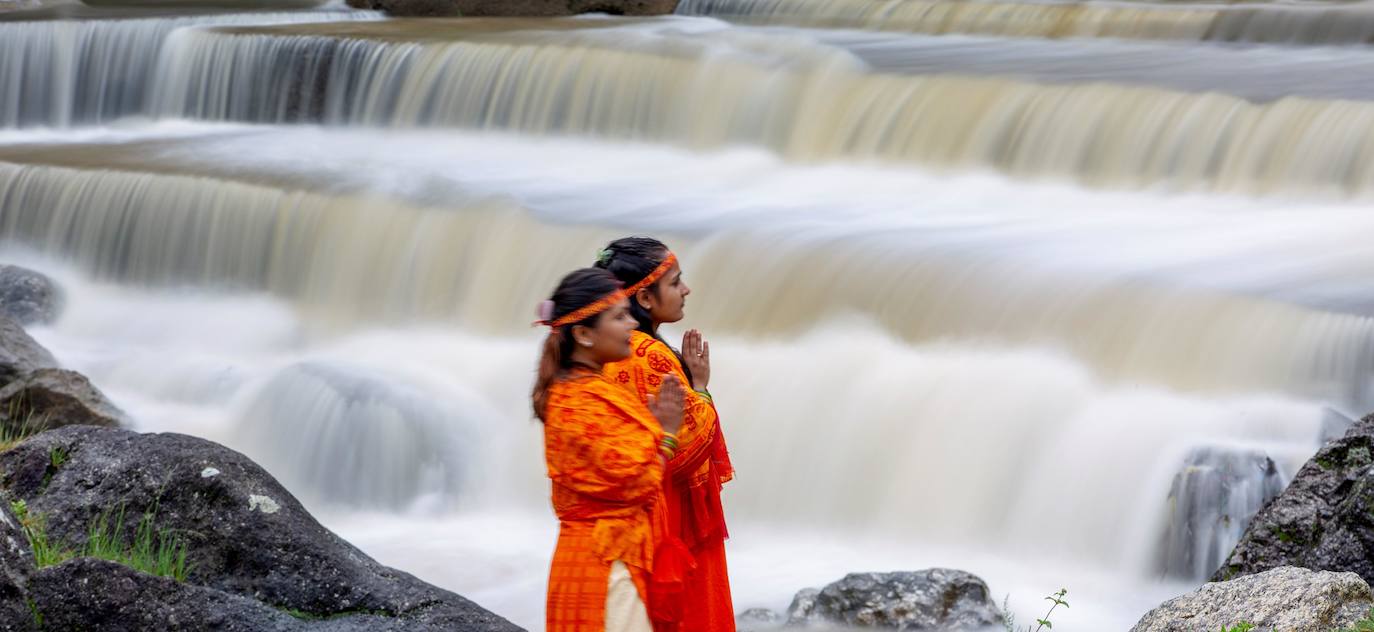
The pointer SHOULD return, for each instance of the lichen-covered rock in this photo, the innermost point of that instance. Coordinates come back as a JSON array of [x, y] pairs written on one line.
[[1325, 518], [247, 535], [933, 599], [27, 296], [1289, 599]]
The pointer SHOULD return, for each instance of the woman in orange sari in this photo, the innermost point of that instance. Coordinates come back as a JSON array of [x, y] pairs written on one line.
[[701, 465], [615, 568]]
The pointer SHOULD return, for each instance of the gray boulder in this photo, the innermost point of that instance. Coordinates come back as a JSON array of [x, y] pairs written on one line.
[[27, 296], [91, 594], [16, 569], [802, 606], [1289, 599], [51, 398], [759, 620], [19, 353], [933, 599], [1323, 520], [516, 8], [246, 534]]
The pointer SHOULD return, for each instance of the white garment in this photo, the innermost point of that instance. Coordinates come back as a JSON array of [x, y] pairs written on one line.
[[625, 611]]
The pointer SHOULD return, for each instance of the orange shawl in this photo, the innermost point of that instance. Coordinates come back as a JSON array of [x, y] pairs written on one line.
[[695, 478], [601, 448]]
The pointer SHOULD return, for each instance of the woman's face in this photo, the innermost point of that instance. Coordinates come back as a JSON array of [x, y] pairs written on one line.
[[609, 340], [666, 300]]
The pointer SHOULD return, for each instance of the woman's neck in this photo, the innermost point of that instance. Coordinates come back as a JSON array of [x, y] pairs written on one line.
[[581, 359]]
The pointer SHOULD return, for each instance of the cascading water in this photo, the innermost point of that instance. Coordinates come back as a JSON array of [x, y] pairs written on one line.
[[63, 73], [707, 91], [1241, 22], [320, 244], [1212, 498]]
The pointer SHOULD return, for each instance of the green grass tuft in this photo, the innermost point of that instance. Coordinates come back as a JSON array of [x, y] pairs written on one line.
[[19, 423], [150, 550]]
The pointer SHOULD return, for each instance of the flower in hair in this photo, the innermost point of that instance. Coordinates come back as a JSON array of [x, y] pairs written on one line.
[[604, 255]]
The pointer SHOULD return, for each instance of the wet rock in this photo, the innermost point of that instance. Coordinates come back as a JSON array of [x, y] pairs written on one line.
[[246, 534], [1289, 599], [516, 8], [1213, 497], [27, 296], [933, 599], [1324, 520]]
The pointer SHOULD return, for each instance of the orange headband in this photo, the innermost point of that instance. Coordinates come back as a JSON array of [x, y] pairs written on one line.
[[654, 276], [578, 315]]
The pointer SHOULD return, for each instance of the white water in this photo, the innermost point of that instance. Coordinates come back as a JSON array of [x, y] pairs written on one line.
[[60, 73], [905, 424], [984, 494], [917, 367]]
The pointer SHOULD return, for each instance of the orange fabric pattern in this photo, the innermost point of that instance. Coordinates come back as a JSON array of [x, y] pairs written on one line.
[[601, 448], [692, 490]]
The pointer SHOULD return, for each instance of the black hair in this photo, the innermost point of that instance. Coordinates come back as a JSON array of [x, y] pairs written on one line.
[[631, 259], [578, 289]]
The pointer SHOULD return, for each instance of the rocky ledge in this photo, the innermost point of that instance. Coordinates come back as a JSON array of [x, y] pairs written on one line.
[[933, 599], [254, 558], [1324, 520], [1287, 598], [515, 8]]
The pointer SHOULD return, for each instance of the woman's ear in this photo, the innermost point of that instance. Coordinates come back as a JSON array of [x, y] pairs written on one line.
[[644, 297], [581, 335]]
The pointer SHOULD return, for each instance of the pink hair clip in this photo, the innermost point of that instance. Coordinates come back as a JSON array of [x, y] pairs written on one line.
[[545, 312]]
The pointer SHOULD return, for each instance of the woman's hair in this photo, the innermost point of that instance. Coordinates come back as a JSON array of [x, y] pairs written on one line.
[[631, 259], [578, 289]]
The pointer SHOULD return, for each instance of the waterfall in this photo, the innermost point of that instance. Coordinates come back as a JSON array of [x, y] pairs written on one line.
[[1242, 22], [351, 259], [812, 109], [1049, 291], [343, 437], [70, 72]]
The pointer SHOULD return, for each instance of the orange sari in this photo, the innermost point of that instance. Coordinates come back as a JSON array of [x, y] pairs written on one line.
[[601, 448], [692, 487]]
